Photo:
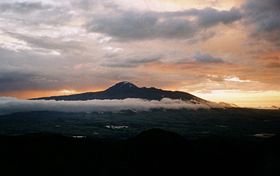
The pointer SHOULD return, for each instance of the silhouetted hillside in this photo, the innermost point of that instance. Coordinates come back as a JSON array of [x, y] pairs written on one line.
[[125, 90]]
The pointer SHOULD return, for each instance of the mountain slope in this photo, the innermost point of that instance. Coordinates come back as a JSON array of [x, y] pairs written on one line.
[[123, 90]]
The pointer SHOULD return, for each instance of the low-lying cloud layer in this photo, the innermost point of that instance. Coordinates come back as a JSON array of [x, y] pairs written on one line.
[[12, 105]]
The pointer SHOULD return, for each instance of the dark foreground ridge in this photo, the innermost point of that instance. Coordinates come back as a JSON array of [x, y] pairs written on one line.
[[123, 90], [153, 152]]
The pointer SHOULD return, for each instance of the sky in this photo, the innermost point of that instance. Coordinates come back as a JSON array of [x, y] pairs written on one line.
[[220, 50]]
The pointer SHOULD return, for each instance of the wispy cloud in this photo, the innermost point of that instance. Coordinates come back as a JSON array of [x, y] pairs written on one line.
[[236, 79]]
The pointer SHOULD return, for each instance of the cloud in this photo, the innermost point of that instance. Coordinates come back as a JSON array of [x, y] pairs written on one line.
[[206, 58], [19, 80], [263, 18], [273, 65], [12, 105], [133, 61], [12, 80], [23, 7], [34, 13], [236, 79], [138, 25], [209, 17]]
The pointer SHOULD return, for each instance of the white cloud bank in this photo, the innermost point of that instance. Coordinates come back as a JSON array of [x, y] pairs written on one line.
[[11, 105]]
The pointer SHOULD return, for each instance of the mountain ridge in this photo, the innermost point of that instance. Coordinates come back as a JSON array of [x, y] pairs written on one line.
[[123, 90]]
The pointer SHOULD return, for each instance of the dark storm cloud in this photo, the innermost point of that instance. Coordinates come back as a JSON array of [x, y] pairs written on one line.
[[136, 25], [206, 58], [22, 7], [263, 17]]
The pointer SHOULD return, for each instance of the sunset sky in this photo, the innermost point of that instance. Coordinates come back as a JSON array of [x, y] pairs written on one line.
[[220, 50]]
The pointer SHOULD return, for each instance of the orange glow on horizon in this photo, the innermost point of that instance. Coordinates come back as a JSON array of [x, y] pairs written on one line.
[[43, 93], [257, 99]]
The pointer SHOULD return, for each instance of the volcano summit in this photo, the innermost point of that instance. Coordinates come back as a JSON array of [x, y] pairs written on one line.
[[123, 90]]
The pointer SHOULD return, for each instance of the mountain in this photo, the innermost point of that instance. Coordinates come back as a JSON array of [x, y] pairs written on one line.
[[123, 90]]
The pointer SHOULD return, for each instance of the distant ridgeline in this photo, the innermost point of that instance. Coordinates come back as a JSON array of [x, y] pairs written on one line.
[[123, 90]]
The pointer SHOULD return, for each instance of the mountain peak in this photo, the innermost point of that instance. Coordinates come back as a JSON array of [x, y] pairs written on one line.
[[123, 85], [125, 89]]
